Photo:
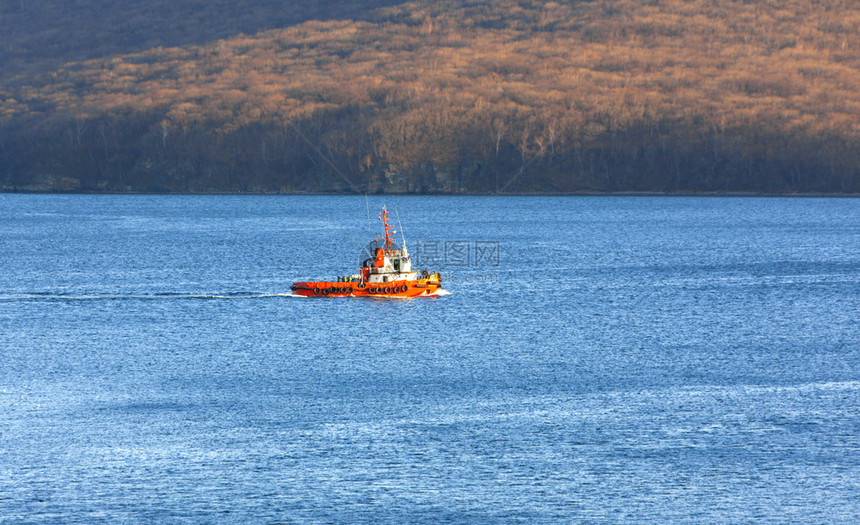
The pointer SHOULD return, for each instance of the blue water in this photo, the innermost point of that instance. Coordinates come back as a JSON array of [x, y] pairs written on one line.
[[613, 360]]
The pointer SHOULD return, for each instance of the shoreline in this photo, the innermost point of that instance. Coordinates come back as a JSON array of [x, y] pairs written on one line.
[[475, 194]]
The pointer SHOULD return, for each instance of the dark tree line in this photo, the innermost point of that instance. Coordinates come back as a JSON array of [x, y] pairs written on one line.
[[460, 97]]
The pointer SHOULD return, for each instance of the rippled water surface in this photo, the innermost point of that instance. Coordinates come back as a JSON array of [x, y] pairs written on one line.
[[603, 360]]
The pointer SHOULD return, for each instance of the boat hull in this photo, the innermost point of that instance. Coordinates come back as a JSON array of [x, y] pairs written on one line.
[[413, 288]]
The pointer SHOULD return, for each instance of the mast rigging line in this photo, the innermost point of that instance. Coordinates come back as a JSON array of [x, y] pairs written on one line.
[[328, 161]]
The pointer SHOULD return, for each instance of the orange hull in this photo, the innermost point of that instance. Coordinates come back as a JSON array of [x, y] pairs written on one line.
[[389, 263], [392, 289]]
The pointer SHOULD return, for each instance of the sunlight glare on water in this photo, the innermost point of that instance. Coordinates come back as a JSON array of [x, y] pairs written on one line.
[[605, 360]]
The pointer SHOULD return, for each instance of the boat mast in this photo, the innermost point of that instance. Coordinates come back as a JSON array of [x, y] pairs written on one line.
[[389, 233], [369, 224], [402, 235]]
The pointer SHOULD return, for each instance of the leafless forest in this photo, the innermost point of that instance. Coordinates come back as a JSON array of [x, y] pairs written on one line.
[[443, 96]]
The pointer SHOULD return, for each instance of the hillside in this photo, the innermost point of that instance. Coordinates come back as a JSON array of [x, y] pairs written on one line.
[[40, 35], [446, 96]]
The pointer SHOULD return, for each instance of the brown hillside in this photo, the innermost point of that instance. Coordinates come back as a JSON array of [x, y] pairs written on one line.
[[458, 96]]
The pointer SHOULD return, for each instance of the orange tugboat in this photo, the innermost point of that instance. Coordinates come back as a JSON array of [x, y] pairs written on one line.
[[386, 272]]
